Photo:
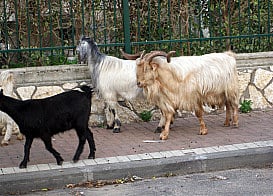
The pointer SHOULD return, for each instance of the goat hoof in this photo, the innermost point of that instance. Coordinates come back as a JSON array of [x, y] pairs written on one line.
[[4, 143], [163, 136], [20, 137], [226, 124], [116, 130], [235, 125], [203, 133], [110, 127], [60, 161], [22, 166], [91, 155], [75, 161], [158, 130]]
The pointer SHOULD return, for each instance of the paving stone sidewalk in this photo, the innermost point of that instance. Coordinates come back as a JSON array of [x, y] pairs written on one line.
[[139, 138]]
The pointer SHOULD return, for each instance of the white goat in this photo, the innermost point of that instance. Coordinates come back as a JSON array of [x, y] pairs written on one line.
[[8, 125], [188, 83], [111, 76]]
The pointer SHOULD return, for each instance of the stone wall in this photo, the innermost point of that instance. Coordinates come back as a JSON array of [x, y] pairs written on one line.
[[255, 75]]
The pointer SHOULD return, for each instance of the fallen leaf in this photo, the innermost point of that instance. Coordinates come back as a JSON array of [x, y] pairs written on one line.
[[219, 178]]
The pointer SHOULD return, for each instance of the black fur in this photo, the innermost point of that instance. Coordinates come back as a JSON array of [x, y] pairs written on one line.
[[43, 118]]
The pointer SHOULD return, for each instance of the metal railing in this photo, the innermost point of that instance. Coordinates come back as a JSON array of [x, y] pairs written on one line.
[[36, 32]]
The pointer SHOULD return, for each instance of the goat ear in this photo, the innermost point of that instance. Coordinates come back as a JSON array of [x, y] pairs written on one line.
[[154, 66]]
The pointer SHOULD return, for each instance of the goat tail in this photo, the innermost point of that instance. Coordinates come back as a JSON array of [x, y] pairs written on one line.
[[88, 90]]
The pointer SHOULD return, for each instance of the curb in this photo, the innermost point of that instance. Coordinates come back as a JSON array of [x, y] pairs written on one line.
[[36, 177]]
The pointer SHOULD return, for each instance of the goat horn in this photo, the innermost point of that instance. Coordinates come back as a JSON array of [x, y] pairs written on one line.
[[149, 57], [169, 56], [142, 54], [130, 56]]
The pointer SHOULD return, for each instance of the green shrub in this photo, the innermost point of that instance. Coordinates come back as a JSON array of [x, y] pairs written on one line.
[[146, 115], [246, 106]]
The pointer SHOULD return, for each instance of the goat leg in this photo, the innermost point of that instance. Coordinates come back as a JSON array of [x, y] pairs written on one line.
[[165, 133], [235, 122], [8, 133], [113, 108], [48, 145], [117, 123], [117, 126], [161, 123], [228, 115], [82, 140], [91, 142], [110, 115], [27, 146], [203, 128]]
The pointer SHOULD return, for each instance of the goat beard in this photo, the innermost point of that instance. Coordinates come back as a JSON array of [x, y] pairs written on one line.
[[157, 94], [152, 92]]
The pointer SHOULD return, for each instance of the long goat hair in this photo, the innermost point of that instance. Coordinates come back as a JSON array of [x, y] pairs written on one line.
[[8, 125], [111, 76], [188, 83], [43, 118]]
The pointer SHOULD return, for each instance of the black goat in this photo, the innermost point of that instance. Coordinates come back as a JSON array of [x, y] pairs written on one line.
[[43, 118]]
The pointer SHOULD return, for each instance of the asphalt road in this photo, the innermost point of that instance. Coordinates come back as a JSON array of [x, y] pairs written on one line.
[[247, 181]]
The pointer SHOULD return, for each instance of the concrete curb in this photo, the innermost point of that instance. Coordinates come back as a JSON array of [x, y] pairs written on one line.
[[37, 177]]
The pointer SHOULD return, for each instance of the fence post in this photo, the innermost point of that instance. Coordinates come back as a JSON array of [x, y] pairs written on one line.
[[126, 26]]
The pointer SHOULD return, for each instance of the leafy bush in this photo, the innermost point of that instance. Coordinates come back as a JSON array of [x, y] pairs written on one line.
[[190, 27], [246, 106], [146, 115], [37, 58]]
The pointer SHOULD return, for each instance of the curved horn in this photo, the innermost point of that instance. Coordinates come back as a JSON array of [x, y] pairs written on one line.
[[169, 56], [130, 56], [142, 54], [149, 57]]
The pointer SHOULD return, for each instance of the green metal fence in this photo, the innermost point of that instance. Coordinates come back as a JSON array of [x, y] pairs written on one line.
[[38, 33]]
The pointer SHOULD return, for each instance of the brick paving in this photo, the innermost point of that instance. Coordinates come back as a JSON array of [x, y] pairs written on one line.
[[139, 138]]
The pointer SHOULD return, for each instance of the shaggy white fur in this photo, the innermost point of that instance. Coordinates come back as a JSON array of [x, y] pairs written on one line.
[[111, 76], [190, 82], [8, 125]]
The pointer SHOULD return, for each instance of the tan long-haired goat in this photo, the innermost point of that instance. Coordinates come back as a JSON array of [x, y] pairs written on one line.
[[189, 82]]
